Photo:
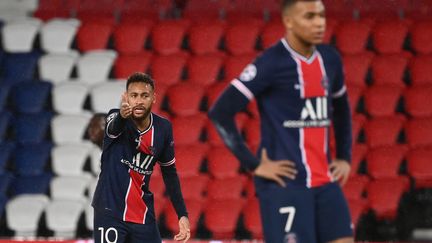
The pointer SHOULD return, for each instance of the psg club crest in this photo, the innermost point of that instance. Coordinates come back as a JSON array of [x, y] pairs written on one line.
[[152, 150], [290, 238]]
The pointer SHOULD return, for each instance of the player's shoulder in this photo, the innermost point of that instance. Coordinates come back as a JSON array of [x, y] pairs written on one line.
[[328, 52], [277, 50], [160, 120]]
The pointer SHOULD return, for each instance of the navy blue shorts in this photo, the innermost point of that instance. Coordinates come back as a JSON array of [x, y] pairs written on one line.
[[108, 229], [302, 215]]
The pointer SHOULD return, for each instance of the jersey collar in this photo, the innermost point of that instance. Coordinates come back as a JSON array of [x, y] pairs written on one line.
[[298, 55]]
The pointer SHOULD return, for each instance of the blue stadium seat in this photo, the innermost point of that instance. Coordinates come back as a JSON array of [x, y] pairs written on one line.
[[31, 97], [20, 66], [31, 184], [32, 128], [31, 159], [6, 151], [5, 118], [5, 181]]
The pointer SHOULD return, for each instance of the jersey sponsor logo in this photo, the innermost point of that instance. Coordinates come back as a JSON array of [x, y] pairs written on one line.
[[249, 73], [313, 114], [141, 163]]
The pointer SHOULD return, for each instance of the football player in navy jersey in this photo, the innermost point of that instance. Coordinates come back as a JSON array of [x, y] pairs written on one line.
[[135, 140], [298, 84]]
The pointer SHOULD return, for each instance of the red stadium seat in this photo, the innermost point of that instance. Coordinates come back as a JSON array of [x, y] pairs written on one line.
[[382, 100], [389, 36], [339, 9], [204, 37], [252, 218], [185, 98], [234, 65], [214, 139], [419, 132], [93, 36], [246, 9], [221, 217], [384, 162], [272, 33], [389, 69], [419, 167], [357, 208], [204, 69], [189, 159], [159, 206], [420, 70], [222, 163], [241, 38], [419, 10], [187, 129], [127, 64], [418, 102], [384, 196], [355, 187], [421, 37], [250, 189], [199, 10], [194, 208], [213, 92], [358, 121], [354, 95], [123, 42], [358, 154], [356, 68], [381, 10], [98, 10], [49, 9], [351, 37], [146, 8], [157, 186], [168, 69], [217, 189], [194, 187], [166, 44], [383, 131]]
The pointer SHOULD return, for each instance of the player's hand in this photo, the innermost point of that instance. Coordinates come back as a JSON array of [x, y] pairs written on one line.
[[340, 170], [275, 170], [184, 230], [125, 108]]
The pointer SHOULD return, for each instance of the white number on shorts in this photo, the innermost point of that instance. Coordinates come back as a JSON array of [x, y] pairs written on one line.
[[106, 234], [291, 212]]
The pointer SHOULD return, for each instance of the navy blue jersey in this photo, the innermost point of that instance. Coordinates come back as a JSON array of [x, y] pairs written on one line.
[[127, 163]]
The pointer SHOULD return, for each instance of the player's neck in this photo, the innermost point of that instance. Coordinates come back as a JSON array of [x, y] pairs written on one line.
[[143, 124], [299, 46]]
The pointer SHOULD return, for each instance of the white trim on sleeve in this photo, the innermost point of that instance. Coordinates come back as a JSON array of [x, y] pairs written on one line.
[[243, 89]]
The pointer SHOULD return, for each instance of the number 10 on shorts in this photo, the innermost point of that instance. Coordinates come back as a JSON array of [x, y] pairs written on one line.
[[291, 212], [105, 235]]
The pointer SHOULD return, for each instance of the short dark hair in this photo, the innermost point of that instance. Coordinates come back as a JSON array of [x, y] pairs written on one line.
[[288, 3], [139, 77]]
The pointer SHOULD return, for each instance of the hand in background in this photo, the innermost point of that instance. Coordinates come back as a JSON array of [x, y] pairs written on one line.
[[184, 230]]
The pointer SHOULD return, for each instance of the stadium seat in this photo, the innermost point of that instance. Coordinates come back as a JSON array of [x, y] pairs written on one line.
[[6, 179], [222, 163], [71, 188], [5, 122], [355, 187], [185, 107], [190, 158], [382, 10], [418, 102], [57, 67], [382, 100], [69, 159], [157, 186], [168, 69], [240, 38], [419, 10], [339, 9], [250, 189], [32, 128], [23, 213], [31, 97], [352, 37], [234, 65], [213, 92], [187, 130], [354, 96], [383, 131], [69, 97], [357, 208], [57, 35], [99, 9], [6, 152], [421, 73], [50, 9], [93, 36], [217, 188], [62, 217], [418, 167], [384, 196], [389, 69], [195, 209], [213, 137], [165, 44], [20, 66], [127, 64], [89, 216], [69, 128], [385, 162], [356, 68], [123, 42], [106, 96], [388, 36], [247, 9], [95, 66], [222, 225], [272, 33], [95, 160], [418, 132], [358, 121], [358, 154], [19, 36], [204, 69], [32, 159], [92, 187], [421, 38], [202, 10], [205, 37], [252, 218], [146, 8], [36, 184], [194, 186]]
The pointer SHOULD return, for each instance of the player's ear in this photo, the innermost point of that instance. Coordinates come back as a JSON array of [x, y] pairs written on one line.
[[154, 98], [287, 21]]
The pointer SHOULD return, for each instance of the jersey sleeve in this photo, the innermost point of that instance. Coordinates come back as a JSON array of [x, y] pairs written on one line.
[[168, 155], [254, 78], [115, 124], [338, 88]]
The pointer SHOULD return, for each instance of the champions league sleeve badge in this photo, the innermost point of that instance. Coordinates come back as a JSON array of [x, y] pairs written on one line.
[[249, 73]]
